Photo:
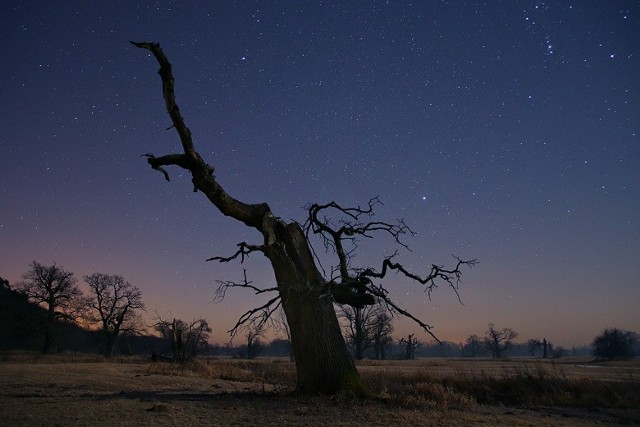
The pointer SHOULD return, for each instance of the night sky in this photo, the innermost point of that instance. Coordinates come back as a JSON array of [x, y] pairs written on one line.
[[506, 131]]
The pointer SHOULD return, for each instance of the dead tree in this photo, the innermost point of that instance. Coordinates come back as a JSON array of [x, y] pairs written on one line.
[[381, 333], [254, 343], [534, 344], [499, 342], [185, 340], [473, 346], [323, 363], [410, 345]]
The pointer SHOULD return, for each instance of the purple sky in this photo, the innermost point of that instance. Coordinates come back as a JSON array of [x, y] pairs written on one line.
[[507, 132]]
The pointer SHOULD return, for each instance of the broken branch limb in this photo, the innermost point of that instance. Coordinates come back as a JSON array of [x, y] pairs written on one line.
[[244, 250], [202, 174]]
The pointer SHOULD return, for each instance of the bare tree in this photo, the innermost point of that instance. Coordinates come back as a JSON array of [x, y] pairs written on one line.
[[473, 346], [381, 333], [499, 341], [55, 289], [410, 345], [365, 328], [114, 302], [358, 323], [323, 363], [534, 344], [185, 340], [254, 343]]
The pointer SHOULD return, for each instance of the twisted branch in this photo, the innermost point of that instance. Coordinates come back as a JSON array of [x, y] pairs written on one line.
[[451, 276], [202, 174]]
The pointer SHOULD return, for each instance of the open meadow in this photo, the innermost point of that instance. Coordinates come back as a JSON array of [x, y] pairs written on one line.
[[91, 390]]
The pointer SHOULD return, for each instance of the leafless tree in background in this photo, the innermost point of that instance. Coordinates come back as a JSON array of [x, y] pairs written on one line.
[[499, 341], [365, 328], [254, 332], [114, 302], [534, 344], [323, 362], [185, 340], [357, 327], [473, 346], [410, 345], [381, 333], [55, 289]]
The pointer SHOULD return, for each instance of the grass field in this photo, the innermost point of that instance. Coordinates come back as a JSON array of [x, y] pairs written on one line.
[[90, 390]]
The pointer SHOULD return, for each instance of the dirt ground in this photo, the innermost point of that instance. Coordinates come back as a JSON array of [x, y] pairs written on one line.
[[112, 393]]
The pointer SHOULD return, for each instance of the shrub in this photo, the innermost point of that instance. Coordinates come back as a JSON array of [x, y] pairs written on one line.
[[614, 343]]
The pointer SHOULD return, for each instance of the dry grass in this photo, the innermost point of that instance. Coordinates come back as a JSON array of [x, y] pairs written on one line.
[[89, 390], [524, 382]]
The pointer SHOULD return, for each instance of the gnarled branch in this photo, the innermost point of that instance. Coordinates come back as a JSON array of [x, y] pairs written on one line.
[[349, 228], [202, 173], [451, 276], [356, 288]]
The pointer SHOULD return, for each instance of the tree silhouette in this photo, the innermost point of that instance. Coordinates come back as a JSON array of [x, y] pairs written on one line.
[[534, 344], [55, 289], [185, 340], [473, 346], [614, 343], [499, 341], [254, 344], [358, 327], [410, 344], [381, 333], [365, 328], [19, 318], [323, 363], [114, 301]]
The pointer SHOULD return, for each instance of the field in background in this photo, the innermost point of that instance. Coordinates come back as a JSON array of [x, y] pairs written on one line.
[[87, 389]]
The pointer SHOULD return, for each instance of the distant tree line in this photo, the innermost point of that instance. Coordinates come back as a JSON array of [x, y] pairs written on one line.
[[47, 311]]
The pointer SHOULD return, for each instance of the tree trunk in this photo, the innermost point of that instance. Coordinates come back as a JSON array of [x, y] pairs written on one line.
[[109, 345], [46, 346], [48, 328], [323, 362]]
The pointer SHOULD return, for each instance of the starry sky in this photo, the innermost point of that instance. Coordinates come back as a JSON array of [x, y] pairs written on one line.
[[506, 131]]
